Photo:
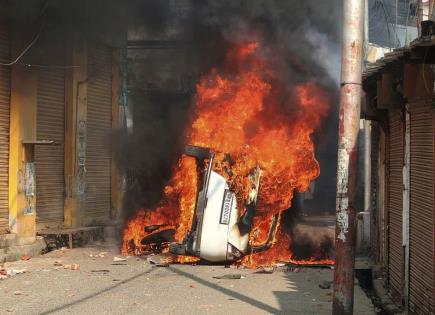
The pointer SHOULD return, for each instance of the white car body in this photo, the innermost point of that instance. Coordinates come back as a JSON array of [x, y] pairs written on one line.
[[220, 228]]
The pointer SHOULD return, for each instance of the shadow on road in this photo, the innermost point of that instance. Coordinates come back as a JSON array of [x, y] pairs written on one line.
[[63, 307], [241, 297]]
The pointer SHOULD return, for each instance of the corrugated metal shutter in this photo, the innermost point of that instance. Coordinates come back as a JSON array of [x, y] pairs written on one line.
[[395, 205], [5, 88], [421, 255], [49, 160], [99, 125]]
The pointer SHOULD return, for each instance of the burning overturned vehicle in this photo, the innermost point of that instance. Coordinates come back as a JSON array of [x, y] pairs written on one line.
[[219, 232], [227, 193]]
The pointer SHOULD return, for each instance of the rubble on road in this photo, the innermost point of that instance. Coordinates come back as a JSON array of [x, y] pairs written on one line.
[[160, 260], [266, 270], [99, 255], [118, 259], [71, 266], [6, 272]]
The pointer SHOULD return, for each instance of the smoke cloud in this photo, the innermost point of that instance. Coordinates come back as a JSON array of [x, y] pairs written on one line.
[[301, 39]]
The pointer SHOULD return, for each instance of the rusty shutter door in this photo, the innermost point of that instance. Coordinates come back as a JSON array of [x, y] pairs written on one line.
[[5, 88], [395, 206], [99, 125], [421, 210], [49, 160]]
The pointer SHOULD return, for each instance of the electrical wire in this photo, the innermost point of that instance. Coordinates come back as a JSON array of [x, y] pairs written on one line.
[[29, 65], [30, 45], [35, 39]]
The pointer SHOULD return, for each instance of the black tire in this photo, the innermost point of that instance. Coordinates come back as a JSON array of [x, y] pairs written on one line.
[[200, 153]]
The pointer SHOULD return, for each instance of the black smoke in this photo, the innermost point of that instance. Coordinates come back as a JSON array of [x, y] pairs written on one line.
[[300, 38]]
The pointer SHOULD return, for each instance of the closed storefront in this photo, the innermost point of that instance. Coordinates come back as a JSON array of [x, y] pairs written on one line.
[[421, 278], [99, 125], [395, 268], [49, 159], [4, 128]]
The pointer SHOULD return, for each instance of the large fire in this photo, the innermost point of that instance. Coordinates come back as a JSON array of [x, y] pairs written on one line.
[[240, 110]]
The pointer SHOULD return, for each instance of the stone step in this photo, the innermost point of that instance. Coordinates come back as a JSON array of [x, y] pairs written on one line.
[[8, 240], [15, 252]]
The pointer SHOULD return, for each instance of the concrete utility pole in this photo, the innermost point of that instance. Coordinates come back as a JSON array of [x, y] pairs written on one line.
[[347, 172]]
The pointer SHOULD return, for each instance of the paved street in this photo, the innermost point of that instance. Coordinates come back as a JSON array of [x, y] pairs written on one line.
[[102, 286]]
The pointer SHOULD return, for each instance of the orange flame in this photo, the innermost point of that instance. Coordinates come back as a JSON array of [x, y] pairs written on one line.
[[237, 112]]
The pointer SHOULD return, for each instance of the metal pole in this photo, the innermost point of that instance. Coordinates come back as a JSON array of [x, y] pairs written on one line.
[[367, 165], [350, 102], [367, 123]]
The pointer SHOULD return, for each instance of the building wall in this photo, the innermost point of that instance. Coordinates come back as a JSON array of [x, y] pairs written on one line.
[[55, 141], [405, 217]]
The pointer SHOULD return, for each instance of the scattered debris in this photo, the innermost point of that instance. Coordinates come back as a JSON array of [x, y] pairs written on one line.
[[25, 257], [159, 261], [99, 255], [118, 264], [292, 268], [325, 284], [267, 270], [230, 276], [57, 263], [101, 270], [12, 272], [18, 292], [71, 266], [118, 259]]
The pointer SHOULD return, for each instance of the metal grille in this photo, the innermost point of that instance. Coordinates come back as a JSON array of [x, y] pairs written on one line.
[[49, 160], [99, 124], [395, 205], [421, 210], [4, 129]]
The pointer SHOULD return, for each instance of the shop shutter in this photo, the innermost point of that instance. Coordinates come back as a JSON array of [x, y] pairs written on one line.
[[421, 282], [49, 159], [4, 129], [395, 205], [99, 125]]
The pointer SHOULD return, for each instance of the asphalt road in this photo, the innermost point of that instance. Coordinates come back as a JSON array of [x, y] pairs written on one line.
[[102, 286]]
